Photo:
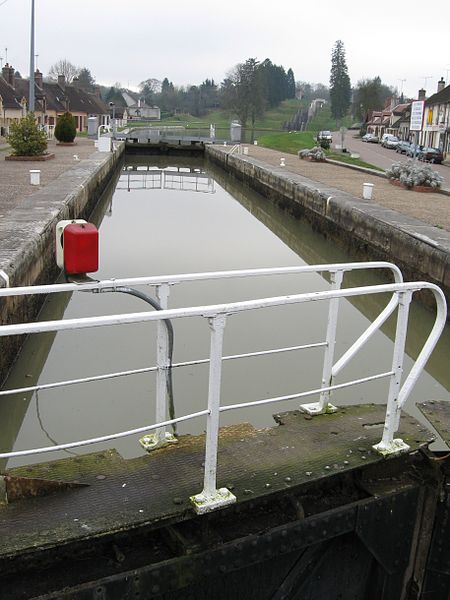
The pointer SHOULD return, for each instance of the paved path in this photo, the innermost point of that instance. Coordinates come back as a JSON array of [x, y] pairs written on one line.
[[432, 208], [15, 177]]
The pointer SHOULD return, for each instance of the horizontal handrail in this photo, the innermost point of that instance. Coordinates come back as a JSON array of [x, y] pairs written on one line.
[[192, 277], [205, 311]]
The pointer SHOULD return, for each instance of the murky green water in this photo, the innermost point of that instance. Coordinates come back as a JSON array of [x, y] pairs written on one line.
[[187, 218]]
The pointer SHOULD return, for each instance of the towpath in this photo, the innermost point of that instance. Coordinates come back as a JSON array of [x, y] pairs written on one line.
[[15, 177], [431, 208]]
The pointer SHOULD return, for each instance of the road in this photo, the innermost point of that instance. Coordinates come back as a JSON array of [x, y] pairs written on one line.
[[381, 157]]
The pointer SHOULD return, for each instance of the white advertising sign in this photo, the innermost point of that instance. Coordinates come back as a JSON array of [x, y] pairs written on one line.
[[417, 108]]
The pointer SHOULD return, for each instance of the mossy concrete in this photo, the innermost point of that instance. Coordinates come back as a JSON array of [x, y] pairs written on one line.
[[152, 491]]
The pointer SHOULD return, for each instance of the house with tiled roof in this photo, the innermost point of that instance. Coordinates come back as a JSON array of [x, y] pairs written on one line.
[[52, 99], [392, 119], [436, 122], [12, 106]]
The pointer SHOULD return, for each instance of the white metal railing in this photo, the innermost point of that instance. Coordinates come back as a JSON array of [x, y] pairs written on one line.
[[50, 131], [236, 148], [216, 315]]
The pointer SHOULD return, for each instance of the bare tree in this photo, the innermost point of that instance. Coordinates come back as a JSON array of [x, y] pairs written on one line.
[[63, 67]]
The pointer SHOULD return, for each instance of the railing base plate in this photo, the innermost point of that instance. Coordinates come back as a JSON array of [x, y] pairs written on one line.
[[313, 408], [204, 503], [151, 441], [397, 446]]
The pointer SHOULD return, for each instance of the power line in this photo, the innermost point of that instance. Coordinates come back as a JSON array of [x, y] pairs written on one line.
[[4, 2]]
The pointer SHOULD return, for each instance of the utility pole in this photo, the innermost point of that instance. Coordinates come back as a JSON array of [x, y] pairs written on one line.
[[402, 81], [31, 90]]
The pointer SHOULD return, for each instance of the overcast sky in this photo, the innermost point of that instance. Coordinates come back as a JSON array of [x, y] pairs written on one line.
[[189, 41]]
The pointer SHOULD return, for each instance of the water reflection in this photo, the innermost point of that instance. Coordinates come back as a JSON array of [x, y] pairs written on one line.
[[149, 177], [159, 231]]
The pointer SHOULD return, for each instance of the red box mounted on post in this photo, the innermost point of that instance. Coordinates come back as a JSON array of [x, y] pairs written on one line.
[[80, 248]]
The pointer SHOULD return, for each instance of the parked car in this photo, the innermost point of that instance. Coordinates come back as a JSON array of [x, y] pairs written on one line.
[[370, 137], [414, 150], [403, 147], [432, 155], [324, 135], [389, 141]]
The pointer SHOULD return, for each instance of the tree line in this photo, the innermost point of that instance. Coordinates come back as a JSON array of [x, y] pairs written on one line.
[[248, 90]]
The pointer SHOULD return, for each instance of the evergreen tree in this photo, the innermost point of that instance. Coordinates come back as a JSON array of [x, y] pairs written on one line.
[[65, 130], [86, 79], [26, 138], [290, 83], [340, 89]]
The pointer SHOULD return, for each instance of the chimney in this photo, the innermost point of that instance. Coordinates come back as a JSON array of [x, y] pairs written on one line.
[[62, 81], [38, 79], [5, 72], [441, 84], [12, 77], [76, 82], [422, 94], [8, 74]]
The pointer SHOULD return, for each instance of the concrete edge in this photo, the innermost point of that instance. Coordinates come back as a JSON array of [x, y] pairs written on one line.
[[357, 168], [27, 233]]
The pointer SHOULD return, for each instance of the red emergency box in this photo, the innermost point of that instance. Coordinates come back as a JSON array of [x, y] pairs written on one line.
[[80, 248]]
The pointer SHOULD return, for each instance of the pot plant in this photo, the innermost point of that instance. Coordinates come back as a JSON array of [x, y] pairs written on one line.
[[314, 154], [65, 129], [28, 140], [413, 176]]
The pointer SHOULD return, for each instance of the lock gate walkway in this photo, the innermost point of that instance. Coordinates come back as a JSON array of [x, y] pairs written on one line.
[[126, 526]]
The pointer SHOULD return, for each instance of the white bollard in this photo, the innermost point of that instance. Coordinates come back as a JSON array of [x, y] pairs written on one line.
[[35, 177], [367, 191], [282, 162], [245, 149], [255, 143]]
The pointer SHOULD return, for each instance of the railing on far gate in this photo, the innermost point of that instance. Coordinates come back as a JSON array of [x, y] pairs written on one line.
[[211, 497]]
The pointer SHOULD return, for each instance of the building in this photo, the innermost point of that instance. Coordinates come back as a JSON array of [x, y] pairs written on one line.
[[12, 106], [52, 99], [436, 121]]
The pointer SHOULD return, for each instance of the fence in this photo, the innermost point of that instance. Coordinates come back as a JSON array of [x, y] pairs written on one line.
[[211, 498]]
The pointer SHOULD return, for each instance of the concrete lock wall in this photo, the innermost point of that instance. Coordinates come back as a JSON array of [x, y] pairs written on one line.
[[362, 226], [27, 253]]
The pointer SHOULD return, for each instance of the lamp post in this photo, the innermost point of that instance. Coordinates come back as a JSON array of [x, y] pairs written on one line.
[[31, 90], [113, 109]]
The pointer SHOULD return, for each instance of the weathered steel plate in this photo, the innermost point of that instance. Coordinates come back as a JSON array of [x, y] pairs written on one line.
[[438, 413], [155, 489]]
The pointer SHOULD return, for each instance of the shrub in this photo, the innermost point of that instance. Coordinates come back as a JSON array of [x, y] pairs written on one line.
[[26, 138], [325, 144], [411, 174], [65, 130], [315, 153]]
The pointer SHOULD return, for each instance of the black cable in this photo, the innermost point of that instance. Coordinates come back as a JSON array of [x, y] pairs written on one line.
[[170, 336]]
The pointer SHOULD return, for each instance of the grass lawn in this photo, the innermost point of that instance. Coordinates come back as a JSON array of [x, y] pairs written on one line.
[[292, 142]]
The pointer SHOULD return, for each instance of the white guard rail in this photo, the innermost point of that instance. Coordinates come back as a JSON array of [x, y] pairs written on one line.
[[211, 497]]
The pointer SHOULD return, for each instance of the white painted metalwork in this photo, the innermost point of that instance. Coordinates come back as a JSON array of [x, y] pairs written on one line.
[[210, 497]]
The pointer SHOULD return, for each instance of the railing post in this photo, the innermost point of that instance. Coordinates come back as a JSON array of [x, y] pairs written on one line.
[[211, 498], [161, 436], [324, 405], [388, 444]]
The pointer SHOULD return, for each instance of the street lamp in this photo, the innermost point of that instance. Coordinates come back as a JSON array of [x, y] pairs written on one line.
[[112, 106], [31, 90]]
